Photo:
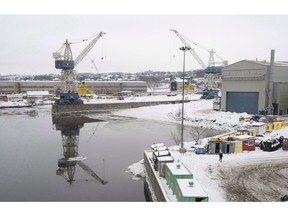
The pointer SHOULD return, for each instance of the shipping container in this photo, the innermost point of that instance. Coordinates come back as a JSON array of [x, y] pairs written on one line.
[[159, 164], [260, 127], [190, 190], [247, 141], [215, 147], [174, 171], [238, 147]]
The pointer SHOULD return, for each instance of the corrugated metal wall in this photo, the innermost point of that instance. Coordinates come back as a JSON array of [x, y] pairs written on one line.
[[242, 102]]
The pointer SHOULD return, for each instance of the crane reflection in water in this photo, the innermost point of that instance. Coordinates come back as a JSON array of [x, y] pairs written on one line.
[[70, 131]]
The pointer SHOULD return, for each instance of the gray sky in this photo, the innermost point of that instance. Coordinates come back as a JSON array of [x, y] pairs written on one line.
[[136, 43]]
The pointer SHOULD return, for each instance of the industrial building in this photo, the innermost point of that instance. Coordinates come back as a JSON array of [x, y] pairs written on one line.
[[99, 87], [255, 86]]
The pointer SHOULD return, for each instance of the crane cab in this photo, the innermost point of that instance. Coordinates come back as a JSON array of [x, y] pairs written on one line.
[[64, 64]]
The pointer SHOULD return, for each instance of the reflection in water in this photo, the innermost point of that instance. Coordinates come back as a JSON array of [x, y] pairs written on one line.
[[70, 130], [32, 113]]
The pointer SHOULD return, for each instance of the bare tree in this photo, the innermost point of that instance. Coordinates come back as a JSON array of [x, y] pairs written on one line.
[[176, 135], [178, 113], [197, 133]]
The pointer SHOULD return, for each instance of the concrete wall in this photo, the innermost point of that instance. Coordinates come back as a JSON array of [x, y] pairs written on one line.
[[158, 189]]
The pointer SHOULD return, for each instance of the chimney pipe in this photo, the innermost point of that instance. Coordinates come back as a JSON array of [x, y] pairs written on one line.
[[272, 57], [270, 79]]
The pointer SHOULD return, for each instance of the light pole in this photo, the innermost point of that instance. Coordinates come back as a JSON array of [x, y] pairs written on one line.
[[182, 149]]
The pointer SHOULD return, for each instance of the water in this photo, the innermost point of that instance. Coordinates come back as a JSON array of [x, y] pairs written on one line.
[[31, 145]]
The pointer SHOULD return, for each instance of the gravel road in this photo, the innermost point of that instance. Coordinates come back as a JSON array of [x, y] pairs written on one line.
[[254, 181]]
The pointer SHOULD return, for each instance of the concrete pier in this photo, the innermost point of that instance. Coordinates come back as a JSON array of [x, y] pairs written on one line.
[[86, 108]]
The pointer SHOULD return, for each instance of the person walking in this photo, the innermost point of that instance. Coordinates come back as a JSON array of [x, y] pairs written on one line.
[[220, 156]]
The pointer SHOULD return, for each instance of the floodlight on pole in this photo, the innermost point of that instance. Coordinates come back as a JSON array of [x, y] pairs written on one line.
[[182, 149]]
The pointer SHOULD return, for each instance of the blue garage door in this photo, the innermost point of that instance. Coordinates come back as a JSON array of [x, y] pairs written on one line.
[[242, 102]]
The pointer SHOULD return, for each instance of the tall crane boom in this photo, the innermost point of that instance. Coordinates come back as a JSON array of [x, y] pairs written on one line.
[[87, 49], [194, 54]]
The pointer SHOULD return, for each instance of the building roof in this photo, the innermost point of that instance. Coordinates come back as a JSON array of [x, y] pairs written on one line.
[[191, 191], [244, 137], [178, 170], [264, 63], [259, 124], [161, 153], [165, 159]]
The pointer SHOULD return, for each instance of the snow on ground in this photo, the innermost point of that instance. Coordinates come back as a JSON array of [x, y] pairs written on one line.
[[203, 166], [196, 113], [200, 113], [13, 104], [135, 98]]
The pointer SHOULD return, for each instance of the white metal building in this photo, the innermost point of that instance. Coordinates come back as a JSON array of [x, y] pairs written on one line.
[[107, 87], [253, 86]]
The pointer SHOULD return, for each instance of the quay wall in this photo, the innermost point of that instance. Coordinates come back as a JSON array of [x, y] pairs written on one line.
[[158, 189], [83, 108]]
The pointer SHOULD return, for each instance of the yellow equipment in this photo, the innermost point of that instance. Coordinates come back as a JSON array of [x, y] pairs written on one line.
[[83, 89], [189, 87]]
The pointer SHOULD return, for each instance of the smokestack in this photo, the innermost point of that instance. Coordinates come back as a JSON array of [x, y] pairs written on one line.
[[272, 57]]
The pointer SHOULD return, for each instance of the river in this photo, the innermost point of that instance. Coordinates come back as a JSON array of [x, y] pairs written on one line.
[[33, 158]]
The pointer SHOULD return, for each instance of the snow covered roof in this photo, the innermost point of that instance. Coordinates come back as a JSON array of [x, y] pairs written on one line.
[[37, 93], [191, 191], [257, 124], [178, 169], [165, 159], [162, 153], [264, 63], [163, 148], [157, 145], [244, 137]]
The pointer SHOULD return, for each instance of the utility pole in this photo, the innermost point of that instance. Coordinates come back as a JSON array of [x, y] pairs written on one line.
[[182, 149]]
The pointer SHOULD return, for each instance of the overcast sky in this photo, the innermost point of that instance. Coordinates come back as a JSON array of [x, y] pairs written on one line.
[[136, 43]]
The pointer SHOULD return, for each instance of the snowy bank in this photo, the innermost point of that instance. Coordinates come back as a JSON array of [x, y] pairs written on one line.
[[200, 113]]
